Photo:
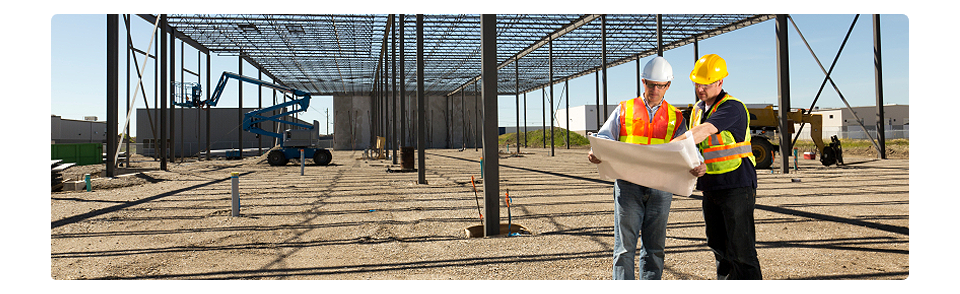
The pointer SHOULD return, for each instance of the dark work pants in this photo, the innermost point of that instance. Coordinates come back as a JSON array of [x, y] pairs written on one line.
[[728, 215]]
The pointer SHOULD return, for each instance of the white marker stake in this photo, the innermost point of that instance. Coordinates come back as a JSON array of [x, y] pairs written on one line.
[[235, 191]]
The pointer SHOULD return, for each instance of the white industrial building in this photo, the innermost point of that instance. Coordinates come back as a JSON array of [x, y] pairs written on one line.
[[582, 118], [842, 123], [70, 131]]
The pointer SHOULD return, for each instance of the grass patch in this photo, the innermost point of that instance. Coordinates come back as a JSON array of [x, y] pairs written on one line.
[[536, 138]]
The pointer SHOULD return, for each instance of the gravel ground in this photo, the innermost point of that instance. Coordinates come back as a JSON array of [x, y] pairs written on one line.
[[353, 220]]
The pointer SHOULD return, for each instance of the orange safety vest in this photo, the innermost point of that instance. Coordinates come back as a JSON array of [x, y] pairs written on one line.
[[636, 126]]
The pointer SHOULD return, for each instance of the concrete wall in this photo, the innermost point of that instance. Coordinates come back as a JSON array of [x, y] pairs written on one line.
[[446, 119], [352, 123], [67, 131]]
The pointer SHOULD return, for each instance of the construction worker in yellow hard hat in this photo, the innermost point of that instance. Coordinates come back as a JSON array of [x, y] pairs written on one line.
[[720, 124], [644, 120]]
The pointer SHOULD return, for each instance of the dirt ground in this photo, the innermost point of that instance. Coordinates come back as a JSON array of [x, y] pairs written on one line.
[[354, 220]]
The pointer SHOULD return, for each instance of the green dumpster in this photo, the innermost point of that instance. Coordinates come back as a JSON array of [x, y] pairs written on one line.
[[82, 154]]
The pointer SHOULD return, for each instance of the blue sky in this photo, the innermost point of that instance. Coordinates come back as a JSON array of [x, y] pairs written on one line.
[[78, 66]]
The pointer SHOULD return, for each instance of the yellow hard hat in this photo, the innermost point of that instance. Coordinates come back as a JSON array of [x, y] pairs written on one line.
[[708, 69]]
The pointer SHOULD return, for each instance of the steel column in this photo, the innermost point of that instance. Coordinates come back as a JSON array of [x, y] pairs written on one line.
[[696, 56], [126, 131], [659, 34], [478, 126], [260, 106], [182, 115], [403, 90], [421, 139], [603, 65], [878, 76], [639, 83], [543, 102], [394, 120], [597, 83], [524, 121], [517, 84], [199, 71], [240, 106], [208, 112], [491, 172], [156, 89], [566, 85], [550, 80], [113, 85], [172, 79], [162, 146], [783, 86]]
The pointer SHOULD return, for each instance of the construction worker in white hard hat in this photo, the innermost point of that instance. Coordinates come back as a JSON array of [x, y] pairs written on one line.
[[720, 124], [647, 120]]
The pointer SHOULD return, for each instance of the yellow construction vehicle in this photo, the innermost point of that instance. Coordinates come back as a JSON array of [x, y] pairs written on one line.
[[765, 119]]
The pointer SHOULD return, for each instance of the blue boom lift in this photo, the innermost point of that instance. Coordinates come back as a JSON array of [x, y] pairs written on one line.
[[292, 140]]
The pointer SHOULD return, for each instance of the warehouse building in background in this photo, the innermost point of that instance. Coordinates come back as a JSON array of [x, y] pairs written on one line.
[[190, 132], [842, 122], [71, 131]]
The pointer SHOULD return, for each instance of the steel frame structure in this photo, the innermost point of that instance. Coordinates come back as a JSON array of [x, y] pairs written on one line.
[[356, 54], [349, 55], [345, 54]]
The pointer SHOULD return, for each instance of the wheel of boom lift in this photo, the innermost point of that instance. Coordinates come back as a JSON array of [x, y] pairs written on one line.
[[276, 158], [322, 157], [762, 152], [829, 156]]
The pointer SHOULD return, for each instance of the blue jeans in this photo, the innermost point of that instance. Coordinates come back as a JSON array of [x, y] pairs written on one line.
[[639, 209], [728, 216]]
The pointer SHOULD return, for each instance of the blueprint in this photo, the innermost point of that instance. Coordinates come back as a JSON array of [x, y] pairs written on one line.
[[663, 166]]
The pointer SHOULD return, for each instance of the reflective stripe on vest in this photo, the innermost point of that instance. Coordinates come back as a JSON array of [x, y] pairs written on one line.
[[721, 152], [637, 128]]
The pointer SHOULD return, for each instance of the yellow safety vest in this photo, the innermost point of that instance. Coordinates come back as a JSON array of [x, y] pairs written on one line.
[[721, 152], [636, 126]]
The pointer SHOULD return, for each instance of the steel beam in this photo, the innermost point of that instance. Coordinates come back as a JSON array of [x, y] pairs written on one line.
[[597, 83], [491, 163], [240, 106], [696, 56], [126, 129], [878, 80], [583, 20], [659, 35], [161, 151], [421, 139], [639, 83], [172, 78], [524, 121], [208, 112], [566, 85], [394, 120], [550, 80], [783, 87], [517, 84], [603, 65], [113, 85], [403, 89]]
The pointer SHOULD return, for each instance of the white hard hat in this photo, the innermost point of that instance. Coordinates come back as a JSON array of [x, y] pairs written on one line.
[[658, 70]]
